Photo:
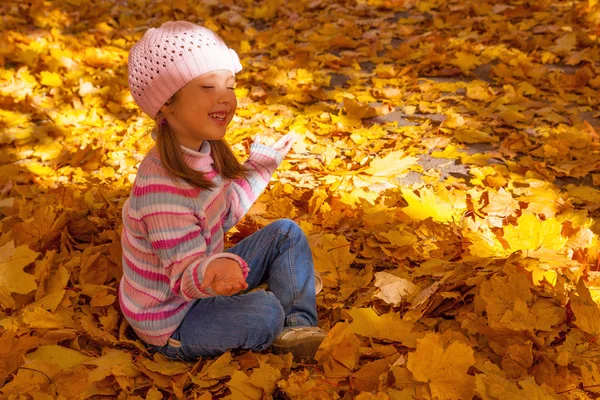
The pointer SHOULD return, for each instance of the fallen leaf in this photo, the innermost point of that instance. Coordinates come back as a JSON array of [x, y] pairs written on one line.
[[443, 368]]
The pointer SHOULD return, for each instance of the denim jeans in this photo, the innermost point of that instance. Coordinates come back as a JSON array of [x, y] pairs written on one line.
[[278, 254]]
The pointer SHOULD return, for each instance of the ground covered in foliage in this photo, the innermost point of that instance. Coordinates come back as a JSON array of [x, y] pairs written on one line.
[[447, 176]]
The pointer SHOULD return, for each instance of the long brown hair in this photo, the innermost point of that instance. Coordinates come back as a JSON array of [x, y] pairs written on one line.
[[169, 149]]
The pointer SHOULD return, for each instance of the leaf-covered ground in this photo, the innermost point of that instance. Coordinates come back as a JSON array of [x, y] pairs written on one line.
[[447, 175]]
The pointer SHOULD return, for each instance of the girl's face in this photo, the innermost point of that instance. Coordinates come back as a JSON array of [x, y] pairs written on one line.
[[202, 109]]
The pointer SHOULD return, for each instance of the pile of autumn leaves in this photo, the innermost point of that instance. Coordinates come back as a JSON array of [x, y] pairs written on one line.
[[450, 290]]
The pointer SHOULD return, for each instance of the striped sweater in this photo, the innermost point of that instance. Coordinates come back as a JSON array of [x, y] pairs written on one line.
[[172, 231]]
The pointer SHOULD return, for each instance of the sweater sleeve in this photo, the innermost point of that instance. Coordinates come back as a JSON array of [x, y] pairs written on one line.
[[174, 232], [242, 193]]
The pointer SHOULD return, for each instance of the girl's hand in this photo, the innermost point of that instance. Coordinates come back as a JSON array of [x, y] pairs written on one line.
[[224, 276], [283, 145]]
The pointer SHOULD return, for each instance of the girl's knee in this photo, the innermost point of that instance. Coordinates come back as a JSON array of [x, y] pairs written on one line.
[[267, 321], [272, 313], [288, 227]]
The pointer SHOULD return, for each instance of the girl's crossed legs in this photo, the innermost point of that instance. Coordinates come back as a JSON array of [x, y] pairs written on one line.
[[278, 254]]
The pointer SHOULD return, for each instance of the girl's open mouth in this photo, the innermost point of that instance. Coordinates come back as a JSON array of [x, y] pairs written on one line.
[[219, 116]]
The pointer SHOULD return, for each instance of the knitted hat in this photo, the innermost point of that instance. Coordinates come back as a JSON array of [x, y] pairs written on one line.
[[167, 58]]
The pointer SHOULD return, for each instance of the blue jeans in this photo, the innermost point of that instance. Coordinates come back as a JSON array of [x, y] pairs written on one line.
[[278, 254]]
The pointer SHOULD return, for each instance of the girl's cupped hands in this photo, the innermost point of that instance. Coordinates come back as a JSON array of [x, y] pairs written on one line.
[[224, 276]]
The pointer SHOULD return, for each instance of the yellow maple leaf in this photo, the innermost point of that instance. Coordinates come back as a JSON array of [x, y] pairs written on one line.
[[399, 238], [465, 61], [531, 234], [541, 271], [39, 318], [51, 79], [222, 367], [393, 164], [501, 292], [443, 369], [511, 115], [111, 362], [12, 277], [427, 205], [366, 322], [265, 377], [450, 151], [339, 352], [540, 199], [501, 203], [242, 388], [354, 197], [565, 43], [484, 243], [332, 256], [587, 312], [393, 289], [470, 135], [357, 109], [368, 377], [164, 365], [495, 387], [62, 356]]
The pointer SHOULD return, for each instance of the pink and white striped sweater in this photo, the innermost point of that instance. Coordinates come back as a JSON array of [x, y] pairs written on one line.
[[172, 231]]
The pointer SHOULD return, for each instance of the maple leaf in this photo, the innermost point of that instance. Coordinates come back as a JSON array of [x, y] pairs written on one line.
[[393, 164], [531, 234], [265, 377], [484, 243], [12, 352], [393, 289], [242, 388], [367, 379], [444, 369], [587, 312], [332, 256], [427, 205], [565, 43], [64, 357], [211, 373], [112, 362], [39, 318], [501, 294], [501, 204], [12, 277], [494, 387], [465, 61], [165, 366], [51, 79], [366, 322], [339, 352], [517, 359]]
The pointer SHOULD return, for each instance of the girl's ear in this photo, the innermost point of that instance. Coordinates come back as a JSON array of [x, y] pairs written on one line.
[[166, 109]]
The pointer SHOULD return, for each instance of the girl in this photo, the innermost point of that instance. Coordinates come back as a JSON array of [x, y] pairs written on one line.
[[180, 292]]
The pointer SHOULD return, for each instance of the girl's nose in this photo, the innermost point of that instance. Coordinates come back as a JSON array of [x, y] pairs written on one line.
[[226, 96]]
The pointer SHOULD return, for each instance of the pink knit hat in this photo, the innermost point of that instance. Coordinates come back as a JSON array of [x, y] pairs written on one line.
[[167, 58]]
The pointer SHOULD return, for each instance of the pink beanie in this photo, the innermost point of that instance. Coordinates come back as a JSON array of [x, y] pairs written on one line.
[[167, 58]]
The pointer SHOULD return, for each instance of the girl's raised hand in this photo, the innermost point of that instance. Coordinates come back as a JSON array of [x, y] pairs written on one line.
[[283, 145]]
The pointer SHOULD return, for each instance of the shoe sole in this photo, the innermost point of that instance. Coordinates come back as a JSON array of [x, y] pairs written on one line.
[[303, 350]]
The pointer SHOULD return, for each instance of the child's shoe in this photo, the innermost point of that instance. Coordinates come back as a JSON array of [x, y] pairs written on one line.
[[318, 282], [302, 341]]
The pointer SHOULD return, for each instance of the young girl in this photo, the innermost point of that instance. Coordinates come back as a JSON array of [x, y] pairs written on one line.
[[180, 292]]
